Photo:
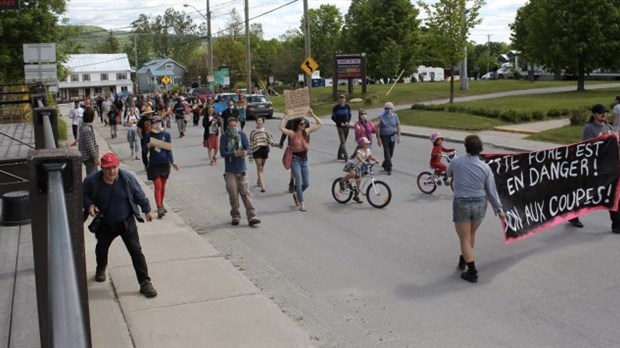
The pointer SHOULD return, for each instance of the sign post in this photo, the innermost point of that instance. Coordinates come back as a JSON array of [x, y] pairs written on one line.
[[349, 66]]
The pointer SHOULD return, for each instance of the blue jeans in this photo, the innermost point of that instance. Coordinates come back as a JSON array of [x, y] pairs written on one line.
[[299, 167], [469, 210]]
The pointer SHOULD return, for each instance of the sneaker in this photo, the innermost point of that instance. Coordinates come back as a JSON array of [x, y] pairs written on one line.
[[147, 289], [357, 199], [160, 213], [235, 221], [291, 187], [100, 274], [575, 223], [254, 221], [343, 186], [462, 263], [470, 277], [295, 199]]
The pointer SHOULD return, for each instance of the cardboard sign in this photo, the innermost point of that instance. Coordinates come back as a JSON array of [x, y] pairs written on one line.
[[541, 189], [161, 144], [296, 103]]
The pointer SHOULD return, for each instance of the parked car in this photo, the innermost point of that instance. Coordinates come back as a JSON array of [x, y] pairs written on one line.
[[258, 104], [202, 93], [221, 101], [487, 76], [505, 73]]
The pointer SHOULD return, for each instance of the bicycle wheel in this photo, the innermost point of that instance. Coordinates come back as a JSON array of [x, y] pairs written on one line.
[[426, 183], [378, 194], [341, 196]]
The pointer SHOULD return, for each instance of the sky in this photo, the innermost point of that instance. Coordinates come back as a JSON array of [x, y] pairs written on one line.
[[276, 16]]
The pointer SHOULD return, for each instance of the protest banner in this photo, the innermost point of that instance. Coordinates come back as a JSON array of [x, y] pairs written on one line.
[[296, 103], [544, 188], [160, 144]]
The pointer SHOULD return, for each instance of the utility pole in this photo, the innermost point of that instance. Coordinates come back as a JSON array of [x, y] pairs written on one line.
[[210, 69], [307, 41], [247, 46], [489, 49]]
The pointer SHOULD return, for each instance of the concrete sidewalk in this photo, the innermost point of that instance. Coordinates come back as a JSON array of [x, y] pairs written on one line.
[[203, 301]]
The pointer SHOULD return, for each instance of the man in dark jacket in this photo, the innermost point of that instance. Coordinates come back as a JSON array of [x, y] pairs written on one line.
[[114, 195], [341, 115]]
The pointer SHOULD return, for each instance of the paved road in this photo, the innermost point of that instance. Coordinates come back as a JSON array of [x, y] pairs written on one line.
[[351, 275]]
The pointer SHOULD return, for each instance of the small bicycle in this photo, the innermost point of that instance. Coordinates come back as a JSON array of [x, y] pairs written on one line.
[[378, 193], [428, 180]]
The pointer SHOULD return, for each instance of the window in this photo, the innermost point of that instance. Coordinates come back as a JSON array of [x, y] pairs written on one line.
[[169, 66], [75, 78], [98, 90], [124, 89], [177, 80], [104, 77], [73, 92], [121, 76], [85, 77]]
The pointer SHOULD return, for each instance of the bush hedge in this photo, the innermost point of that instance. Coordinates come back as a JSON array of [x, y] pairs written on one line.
[[505, 115]]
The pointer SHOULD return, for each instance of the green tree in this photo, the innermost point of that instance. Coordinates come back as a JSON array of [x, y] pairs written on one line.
[[174, 35], [34, 22], [110, 45], [371, 24], [389, 59], [569, 36], [325, 33], [449, 23]]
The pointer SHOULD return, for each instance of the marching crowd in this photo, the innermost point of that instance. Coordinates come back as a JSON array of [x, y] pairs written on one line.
[[147, 117]]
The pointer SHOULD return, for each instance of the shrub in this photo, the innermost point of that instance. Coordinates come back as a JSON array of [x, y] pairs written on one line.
[[538, 115], [524, 116], [368, 101], [579, 116], [554, 113], [509, 116]]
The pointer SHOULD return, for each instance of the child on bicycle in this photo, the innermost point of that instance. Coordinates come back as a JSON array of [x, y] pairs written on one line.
[[438, 149], [355, 165]]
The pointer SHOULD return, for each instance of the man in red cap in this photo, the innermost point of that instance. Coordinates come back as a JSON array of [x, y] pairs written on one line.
[[114, 195]]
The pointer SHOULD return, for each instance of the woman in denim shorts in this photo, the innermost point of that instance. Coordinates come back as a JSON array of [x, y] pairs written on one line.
[[473, 185]]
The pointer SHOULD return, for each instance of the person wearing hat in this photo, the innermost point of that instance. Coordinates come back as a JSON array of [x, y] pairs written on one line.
[[116, 198], [341, 115], [597, 125], [355, 165], [144, 128], [389, 134], [160, 161]]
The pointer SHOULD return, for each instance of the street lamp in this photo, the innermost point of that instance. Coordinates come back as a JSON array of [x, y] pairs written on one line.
[[209, 39]]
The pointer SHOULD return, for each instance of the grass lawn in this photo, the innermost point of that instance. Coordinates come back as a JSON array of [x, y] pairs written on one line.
[[447, 120], [411, 93], [562, 135], [545, 102]]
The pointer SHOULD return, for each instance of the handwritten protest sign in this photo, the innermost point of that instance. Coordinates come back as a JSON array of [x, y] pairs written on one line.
[[296, 103], [544, 188], [160, 144]]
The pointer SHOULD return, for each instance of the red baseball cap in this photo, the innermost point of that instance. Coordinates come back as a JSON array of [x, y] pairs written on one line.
[[109, 160]]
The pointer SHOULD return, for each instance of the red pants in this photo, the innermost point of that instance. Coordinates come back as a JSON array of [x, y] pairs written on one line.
[[439, 167], [160, 190]]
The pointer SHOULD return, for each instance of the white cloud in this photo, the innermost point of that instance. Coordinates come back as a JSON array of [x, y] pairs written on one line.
[[496, 14]]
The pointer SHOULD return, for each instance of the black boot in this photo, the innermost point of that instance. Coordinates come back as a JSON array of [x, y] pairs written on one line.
[[471, 275], [462, 263]]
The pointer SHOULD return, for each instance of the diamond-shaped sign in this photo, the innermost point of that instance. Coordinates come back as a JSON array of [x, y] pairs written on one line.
[[309, 66]]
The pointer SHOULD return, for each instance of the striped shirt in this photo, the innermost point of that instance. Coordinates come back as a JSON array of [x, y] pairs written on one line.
[[261, 137]]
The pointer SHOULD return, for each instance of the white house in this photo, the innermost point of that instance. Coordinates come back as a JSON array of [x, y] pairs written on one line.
[[95, 74]]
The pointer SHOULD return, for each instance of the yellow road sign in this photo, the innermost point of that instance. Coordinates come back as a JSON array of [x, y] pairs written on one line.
[[165, 80], [309, 66]]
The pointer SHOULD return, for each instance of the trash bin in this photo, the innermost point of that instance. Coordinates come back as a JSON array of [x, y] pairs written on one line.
[[15, 208]]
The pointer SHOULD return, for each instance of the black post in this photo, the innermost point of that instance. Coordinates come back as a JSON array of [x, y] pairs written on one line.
[[72, 178]]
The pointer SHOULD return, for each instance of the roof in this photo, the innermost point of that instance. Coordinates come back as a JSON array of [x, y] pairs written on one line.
[[97, 62], [155, 65]]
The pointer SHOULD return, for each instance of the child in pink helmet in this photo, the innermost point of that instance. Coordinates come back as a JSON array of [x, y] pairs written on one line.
[[437, 140], [355, 165]]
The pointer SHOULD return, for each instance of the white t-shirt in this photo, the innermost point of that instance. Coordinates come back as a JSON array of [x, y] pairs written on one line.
[[365, 154], [616, 112]]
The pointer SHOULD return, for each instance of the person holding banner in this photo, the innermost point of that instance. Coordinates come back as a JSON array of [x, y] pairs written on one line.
[[473, 185], [159, 144], [300, 143], [597, 125]]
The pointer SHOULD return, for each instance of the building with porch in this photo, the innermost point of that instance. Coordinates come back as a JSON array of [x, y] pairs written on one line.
[[160, 75], [95, 74]]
